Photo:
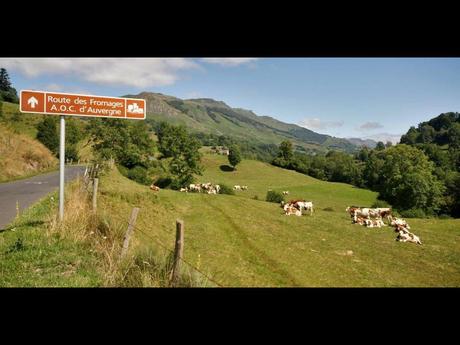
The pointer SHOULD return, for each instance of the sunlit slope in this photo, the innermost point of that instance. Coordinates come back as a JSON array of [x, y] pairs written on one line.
[[240, 241]]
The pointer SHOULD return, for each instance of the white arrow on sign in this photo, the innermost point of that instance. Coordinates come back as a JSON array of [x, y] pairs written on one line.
[[32, 101]]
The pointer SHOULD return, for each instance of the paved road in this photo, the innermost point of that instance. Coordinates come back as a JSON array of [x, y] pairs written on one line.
[[29, 191]]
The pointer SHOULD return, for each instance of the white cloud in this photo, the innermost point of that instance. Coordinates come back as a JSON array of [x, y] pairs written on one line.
[[316, 123], [137, 72], [384, 137], [371, 125], [229, 61]]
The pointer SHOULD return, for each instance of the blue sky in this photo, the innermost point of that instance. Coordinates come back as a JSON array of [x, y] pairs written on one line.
[[377, 98]]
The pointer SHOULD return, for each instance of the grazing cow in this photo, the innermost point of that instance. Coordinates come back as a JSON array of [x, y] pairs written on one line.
[[237, 187], [300, 205], [367, 212], [154, 188]]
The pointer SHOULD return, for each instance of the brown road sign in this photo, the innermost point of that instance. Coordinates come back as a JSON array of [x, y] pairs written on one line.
[[44, 102]]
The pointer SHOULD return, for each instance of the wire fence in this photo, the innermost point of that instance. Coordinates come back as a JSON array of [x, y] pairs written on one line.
[[159, 242]]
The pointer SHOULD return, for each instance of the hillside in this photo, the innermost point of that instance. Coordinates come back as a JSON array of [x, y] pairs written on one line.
[[363, 142], [240, 241], [215, 117], [22, 156]]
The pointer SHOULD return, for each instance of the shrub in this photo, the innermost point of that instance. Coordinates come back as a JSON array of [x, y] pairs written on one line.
[[273, 196], [413, 213], [224, 189], [444, 216], [380, 204], [163, 182], [139, 174]]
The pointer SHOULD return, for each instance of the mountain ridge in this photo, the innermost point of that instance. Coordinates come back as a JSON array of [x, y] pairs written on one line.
[[211, 116]]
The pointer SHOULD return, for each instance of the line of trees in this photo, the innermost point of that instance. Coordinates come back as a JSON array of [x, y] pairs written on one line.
[[405, 176]]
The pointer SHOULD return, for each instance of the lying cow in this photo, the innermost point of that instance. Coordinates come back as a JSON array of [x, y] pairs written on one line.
[[374, 223], [405, 235], [285, 192], [184, 190], [237, 187], [154, 188], [398, 221]]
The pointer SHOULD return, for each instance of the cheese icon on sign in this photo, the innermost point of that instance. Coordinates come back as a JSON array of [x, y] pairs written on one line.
[[135, 109]]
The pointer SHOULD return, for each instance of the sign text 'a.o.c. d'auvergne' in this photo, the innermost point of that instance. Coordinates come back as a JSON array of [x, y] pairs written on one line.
[[44, 102]]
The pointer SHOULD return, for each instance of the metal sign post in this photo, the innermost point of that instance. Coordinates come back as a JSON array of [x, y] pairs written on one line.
[[61, 167], [70, 104]]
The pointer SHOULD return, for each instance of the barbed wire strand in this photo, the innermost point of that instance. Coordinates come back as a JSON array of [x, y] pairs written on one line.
[[158, 241]]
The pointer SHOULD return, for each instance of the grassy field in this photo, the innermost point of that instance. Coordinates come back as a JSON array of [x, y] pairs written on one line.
[[240, 241]]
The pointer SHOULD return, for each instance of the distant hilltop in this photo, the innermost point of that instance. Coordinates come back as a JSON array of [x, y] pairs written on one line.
[[206, 115]]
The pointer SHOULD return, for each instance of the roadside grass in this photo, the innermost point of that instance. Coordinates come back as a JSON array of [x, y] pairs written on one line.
[[33, 256], [239, 241], [36, 250]]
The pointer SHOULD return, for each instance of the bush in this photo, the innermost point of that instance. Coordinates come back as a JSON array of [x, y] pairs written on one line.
[[71, 153], [413, 213], [224, 189], [139, 174], [273, 196], [445, 216], [163, 182], [380, 204]]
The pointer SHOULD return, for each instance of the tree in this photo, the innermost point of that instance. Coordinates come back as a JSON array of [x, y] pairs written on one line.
[[380, 146], [284, 157], [453, 135], [286, 151], [407, 180], [388, 144], [427, 134], [234, 157], [182, 148], [122, 141], [7, 92], [410, 137], [47, 133], [5, 83]]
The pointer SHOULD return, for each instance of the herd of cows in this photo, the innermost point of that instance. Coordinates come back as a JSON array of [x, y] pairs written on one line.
[[373, 217], [365, 216]]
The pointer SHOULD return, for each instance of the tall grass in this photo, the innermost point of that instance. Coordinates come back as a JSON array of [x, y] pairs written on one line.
[[103, 234]]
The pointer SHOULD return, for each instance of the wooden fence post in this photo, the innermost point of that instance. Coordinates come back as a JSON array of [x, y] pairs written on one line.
[[178, 251], [132, 223], [95, 184]]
